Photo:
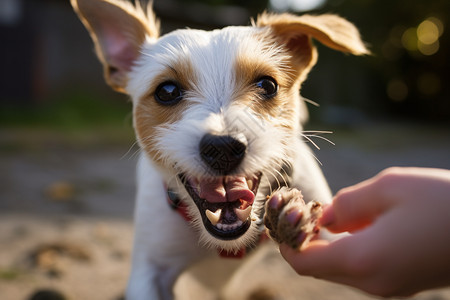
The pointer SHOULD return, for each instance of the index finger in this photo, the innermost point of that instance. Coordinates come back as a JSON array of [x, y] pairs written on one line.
[[355, 207], [321, 258]]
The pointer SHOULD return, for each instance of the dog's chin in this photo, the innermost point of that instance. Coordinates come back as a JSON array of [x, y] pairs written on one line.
[[224, 203]]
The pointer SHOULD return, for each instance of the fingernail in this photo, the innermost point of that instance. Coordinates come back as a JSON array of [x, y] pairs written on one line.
[[328, 217]]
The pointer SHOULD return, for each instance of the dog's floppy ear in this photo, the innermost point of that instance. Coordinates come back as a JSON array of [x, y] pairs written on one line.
[[118, 30], [295, 32]]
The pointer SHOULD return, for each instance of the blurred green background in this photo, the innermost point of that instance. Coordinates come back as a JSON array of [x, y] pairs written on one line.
[[50, 77]]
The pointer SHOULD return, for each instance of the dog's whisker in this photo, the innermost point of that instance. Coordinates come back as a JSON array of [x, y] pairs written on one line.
[[286, 175], [275, 177], [308, 135], [282, 177], [311, 102], [317, 159], [129, 151], [268, 180], [136, 153], [311, 141], [149, 142], [323, 138], [317, 131], [287, 163]]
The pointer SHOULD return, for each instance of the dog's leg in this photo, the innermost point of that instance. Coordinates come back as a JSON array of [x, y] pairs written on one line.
[[164, 243]]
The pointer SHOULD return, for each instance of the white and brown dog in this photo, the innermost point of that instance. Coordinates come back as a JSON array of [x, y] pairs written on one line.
[[219, 118]]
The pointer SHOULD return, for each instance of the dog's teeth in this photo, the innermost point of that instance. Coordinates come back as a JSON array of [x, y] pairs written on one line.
[[228, 227], [250, 184], [243, 214], [213, 217]]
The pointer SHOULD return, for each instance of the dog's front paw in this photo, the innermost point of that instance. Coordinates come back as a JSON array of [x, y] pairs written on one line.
[[289, 220]]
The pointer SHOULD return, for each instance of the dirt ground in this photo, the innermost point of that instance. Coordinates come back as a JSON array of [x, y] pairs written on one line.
[[66, 214]]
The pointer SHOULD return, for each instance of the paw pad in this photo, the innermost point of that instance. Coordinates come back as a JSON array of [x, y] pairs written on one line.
[[289, 220]]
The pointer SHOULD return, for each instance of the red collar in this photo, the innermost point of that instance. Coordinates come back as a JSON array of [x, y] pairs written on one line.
[[180, 207]]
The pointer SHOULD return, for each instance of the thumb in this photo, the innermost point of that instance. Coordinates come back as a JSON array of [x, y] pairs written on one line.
[[355, 207]]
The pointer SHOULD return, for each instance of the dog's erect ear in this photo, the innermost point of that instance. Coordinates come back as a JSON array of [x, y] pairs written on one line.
[[295, 32], [118, 30]]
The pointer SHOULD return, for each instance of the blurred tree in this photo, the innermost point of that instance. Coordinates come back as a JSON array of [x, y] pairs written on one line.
[[206, 14], [17, 71], [406, 76], [252, 5], [410, 42]]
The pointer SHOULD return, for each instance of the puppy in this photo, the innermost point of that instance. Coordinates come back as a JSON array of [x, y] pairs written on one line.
[[218, 117]]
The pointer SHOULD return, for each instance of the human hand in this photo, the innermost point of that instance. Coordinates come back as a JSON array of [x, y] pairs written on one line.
[[401, 242]]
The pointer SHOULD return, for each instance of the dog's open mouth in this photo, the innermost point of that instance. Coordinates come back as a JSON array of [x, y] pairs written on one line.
[[225, 203]]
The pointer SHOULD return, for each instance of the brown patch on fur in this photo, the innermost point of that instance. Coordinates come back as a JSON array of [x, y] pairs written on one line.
[[249, 69], [151, 115]]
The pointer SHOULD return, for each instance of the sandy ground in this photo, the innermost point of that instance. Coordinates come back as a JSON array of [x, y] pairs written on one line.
[[66, 215]]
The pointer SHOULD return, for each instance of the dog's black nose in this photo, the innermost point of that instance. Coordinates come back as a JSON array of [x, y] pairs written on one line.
[[222, 153]]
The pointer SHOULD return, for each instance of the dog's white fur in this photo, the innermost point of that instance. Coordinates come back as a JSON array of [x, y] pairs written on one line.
[[221, 98]]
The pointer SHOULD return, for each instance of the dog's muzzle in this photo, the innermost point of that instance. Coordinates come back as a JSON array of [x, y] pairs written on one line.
[[225, 203], [224, 200]]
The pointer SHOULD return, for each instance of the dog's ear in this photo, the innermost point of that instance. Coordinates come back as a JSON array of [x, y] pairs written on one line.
[[118, 30], [295, 33]]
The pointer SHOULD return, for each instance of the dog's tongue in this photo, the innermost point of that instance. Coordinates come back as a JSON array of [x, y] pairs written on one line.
[[229, 189]]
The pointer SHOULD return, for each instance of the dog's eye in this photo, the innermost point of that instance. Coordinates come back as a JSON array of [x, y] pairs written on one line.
[[168, 93], [268, 86]]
